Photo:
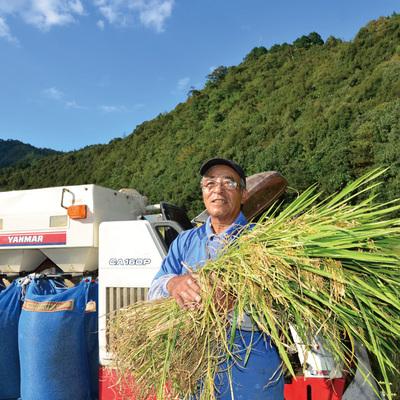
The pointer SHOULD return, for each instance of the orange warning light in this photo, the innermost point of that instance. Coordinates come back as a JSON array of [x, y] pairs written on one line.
[[77, 211]]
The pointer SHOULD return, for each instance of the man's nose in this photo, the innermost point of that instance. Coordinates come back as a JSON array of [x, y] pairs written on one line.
[[219, 186]]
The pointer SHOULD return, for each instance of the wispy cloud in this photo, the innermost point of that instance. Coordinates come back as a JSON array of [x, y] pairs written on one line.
[[151, 13], [43, 14], [138, 106], [76, 6], [5, 32], [154, 13], [74, 105], [112, 109], [58, 96], [53, 93], [46, 14], [100, 24], [108, 109], [110, 9]]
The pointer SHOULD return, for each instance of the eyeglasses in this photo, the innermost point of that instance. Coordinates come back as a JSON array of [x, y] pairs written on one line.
[[210, 184]]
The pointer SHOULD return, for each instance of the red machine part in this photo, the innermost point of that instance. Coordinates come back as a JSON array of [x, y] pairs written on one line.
[[111, 389], [299, 389], [314, 389]]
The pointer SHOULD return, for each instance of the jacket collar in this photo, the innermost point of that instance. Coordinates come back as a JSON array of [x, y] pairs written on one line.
[[229, 232]]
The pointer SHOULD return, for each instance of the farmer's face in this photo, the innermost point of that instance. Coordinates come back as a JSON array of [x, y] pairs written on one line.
[[223, 202]]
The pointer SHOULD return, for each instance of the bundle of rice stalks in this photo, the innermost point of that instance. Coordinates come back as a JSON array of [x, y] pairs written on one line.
[[328, 268]]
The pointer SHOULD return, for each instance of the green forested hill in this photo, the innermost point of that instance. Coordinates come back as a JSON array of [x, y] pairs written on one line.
[[15, 152], [315, 111]]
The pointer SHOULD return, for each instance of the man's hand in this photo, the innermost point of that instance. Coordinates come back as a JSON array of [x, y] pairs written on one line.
[[185, 290]]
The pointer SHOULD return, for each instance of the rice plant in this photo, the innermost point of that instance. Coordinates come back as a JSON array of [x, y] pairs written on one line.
[[329, 268]]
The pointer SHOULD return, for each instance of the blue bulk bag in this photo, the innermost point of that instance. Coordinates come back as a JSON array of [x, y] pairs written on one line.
[[92, 338], [43, 285], [52, 342], [10, 309]]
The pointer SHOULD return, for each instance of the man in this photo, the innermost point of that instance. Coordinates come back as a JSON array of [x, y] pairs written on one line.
[[224, 191]]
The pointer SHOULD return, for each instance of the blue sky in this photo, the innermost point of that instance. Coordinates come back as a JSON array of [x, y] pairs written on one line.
[[81, 72]]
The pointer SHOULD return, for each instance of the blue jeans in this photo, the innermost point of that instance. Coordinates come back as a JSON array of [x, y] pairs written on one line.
[[257, 378]]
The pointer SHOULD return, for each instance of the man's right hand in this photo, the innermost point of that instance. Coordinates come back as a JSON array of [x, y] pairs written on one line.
[[185, 290]]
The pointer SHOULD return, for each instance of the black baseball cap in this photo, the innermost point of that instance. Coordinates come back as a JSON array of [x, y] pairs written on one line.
[[223, 161]]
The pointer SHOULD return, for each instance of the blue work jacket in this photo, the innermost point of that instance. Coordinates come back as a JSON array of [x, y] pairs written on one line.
[[256, 377], [190, 251]]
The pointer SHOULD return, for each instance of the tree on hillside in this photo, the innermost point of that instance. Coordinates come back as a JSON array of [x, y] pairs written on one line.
[[216, 76], [256, 53], [307, 41]]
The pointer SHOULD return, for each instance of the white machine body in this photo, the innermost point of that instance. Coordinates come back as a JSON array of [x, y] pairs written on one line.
[[34, 225], [130, 254], [316, 360]]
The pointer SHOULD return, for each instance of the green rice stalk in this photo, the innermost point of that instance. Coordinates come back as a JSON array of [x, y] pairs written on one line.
[[328, 268]]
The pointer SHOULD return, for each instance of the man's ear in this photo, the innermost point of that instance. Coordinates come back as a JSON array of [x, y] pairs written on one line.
[[245, 196]]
